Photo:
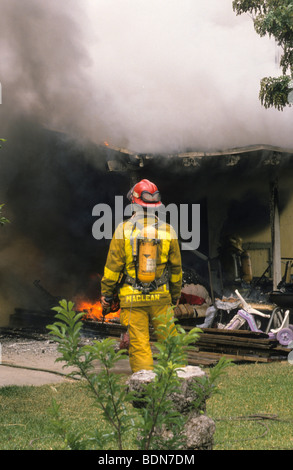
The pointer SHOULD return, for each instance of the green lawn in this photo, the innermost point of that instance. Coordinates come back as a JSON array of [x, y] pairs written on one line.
[[247, 391]]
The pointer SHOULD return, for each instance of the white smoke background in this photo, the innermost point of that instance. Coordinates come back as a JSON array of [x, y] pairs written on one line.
[[149, 75], [185, 74]]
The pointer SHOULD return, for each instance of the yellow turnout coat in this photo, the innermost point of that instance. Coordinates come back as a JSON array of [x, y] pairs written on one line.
[[138, 307]]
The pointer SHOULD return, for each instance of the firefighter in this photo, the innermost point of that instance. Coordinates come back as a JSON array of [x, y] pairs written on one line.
[[144, 262]]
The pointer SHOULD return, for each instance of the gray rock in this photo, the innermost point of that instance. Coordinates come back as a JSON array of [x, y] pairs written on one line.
[[183, 399], [188, 392], [198, 431]]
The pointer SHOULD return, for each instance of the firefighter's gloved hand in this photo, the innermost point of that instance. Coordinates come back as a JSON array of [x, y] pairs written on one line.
[[106, 304], [106, 301]]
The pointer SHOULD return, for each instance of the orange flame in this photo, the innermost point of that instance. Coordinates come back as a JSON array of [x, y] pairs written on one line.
[[94, 311]]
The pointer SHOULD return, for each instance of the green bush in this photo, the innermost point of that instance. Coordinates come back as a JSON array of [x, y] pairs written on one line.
[[113, 398]]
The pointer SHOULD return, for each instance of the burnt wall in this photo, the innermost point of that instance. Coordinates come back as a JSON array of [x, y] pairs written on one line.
[[233, 190]]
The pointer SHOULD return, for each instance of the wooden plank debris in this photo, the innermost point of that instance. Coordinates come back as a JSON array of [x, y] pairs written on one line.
[[238, 345], [213, 343]]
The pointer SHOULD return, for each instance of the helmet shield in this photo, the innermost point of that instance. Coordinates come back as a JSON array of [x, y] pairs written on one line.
[[145, 193], [148, 197]]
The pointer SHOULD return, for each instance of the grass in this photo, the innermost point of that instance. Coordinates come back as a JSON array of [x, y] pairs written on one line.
[[25, 423], [247, 391]]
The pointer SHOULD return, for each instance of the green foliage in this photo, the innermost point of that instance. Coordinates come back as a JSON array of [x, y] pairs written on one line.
[[149, 422], [161, 423], [72, 440], [174, 341], [206, 386], [273, 18], [274, 92], [3, 220], [105, 386]]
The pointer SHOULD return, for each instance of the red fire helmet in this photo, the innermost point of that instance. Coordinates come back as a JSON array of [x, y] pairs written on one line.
[[145, 193]]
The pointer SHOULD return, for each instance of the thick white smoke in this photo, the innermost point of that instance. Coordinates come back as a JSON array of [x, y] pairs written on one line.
[[151, 75], [183, 74]]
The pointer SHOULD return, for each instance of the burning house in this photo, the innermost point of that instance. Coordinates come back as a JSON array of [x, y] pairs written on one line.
[[244, 191], [183, 111]]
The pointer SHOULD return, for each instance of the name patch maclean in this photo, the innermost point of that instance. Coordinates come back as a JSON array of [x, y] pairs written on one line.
[[142, 298]]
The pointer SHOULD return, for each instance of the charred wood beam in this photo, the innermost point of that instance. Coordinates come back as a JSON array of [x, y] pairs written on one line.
[[52, 300]]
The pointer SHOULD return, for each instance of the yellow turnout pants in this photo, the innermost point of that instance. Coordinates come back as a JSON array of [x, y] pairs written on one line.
[[137, 320]]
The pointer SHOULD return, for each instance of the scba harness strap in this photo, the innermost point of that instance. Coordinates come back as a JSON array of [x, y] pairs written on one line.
[[146, 288]]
